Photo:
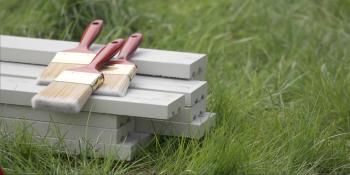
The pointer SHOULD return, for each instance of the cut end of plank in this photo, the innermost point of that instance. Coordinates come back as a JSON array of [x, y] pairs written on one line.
[[62, 97], [114, 85]]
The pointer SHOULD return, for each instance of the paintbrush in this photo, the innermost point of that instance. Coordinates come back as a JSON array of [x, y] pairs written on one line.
[[119, 72], [72, 88], [73, 57]]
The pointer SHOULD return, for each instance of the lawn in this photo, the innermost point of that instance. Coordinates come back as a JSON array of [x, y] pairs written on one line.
[[278, 75]]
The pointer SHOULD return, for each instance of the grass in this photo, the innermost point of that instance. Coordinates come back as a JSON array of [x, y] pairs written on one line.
[[278, 74]]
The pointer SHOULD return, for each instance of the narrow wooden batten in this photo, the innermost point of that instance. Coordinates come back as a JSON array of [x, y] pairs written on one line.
[[140, 103], [193, 90], [150, 61]]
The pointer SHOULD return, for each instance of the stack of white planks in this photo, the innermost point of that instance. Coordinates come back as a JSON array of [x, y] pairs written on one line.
[[167, 97]]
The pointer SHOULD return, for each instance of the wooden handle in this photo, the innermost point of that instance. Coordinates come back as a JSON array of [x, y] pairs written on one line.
[[90, 34], [130, 46], [106, 53]]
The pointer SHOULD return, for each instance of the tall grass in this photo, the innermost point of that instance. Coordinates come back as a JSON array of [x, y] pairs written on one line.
[[278, 74]]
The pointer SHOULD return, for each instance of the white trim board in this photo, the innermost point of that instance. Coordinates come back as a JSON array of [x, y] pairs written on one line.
[[74, 132], [26, 113], [107, 121], [140, 103], [121, 151], [196, 129], [150, 61], [193, 90]]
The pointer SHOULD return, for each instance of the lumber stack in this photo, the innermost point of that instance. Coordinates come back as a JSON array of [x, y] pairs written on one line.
[[166, 97]]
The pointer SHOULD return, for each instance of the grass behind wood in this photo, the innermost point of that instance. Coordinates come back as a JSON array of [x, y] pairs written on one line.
[[278, 74]]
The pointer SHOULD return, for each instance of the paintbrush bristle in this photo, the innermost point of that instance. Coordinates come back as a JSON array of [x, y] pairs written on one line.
[[114, 85], [62, 96], [49, 74], [117, 79]]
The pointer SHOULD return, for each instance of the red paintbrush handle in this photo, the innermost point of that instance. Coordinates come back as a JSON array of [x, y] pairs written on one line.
[[2, 171], [130, 46], [106, 53], [90, 34]]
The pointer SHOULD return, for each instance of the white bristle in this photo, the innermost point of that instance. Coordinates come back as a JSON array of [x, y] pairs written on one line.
[[52, 71], [62, 97], [114, 85]]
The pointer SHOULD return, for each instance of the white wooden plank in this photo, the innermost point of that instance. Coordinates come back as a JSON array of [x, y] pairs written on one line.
[[193, 90], [125, 150], [58, 130], [140, 103], [20, 70], [108, 121], [149, 61], [196, 129], [192, 129], [82, 119]]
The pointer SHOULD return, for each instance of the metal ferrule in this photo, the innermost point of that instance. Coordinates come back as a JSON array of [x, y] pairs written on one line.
[[98, 83], [73, 58], [121, 69], [92, 79]]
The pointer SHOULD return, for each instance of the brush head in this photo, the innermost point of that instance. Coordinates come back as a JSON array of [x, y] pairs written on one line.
[[117, 79], [63, 61], [72, 88], [114, 85], [69, 92], [62, 97]]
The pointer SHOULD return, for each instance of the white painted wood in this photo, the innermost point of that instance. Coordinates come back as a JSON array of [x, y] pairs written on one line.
[[193, 90], [140, 103], [108, 121], [150, 61], [58, 130], [188, 114], [81, 119], [193, 129], [196, 129], [125, 150]]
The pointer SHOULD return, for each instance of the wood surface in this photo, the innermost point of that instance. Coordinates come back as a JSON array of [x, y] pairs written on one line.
[[139, 103], [196, 129], [68, 131], [193, 90], [149, 61]]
